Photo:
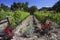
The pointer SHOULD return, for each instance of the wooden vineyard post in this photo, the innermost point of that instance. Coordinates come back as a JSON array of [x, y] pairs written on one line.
[[8, 21]]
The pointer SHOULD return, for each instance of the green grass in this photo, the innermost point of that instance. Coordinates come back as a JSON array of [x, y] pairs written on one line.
[[54, 17], [15, 17]]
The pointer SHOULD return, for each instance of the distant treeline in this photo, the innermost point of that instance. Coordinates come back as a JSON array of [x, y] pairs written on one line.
[[55, 7], [21, 6], [24, 7]]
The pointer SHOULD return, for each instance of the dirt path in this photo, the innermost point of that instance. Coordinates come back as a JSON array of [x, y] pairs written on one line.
[[28, 22], [23, 24]]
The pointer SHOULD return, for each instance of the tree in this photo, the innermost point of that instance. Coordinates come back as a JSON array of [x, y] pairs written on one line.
[[56, 7], [26, 7], [4, 7], [19, 5], [14, 6], [32, 9], [0, 7], [45, 8]]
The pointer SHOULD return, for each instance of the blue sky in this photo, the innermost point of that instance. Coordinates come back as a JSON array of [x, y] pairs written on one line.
[[38, 3]]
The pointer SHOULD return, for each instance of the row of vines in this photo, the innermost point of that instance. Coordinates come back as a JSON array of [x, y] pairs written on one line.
[[15, 17], [53, 16]]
